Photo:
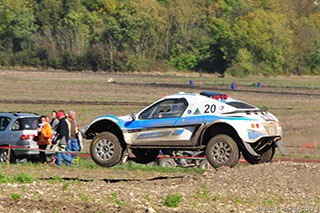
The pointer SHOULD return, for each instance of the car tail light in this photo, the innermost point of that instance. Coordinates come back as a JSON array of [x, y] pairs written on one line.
[[255, 125], [27, 137]]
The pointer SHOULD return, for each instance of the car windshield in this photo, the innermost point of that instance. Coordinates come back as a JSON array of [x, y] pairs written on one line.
[[4, 122], [25, 124], [170, 108]]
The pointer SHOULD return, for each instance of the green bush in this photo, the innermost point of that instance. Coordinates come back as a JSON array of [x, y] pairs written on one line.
[[172, 200]]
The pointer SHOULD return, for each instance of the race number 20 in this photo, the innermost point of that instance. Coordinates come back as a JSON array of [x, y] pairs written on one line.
[[210, 108]]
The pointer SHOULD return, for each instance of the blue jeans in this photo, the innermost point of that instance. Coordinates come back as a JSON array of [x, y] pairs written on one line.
[[73, 146], [66, 157]]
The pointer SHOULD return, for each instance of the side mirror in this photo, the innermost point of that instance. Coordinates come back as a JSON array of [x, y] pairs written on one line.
[[133, 117]]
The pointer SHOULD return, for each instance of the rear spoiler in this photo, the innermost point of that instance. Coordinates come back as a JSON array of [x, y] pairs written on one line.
[[246, 111]]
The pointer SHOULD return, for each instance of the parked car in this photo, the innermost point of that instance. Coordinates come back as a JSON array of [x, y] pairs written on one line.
[[212, 122], [18, 129]]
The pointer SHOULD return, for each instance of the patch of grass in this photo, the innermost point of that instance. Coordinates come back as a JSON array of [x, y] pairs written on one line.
[[37, 196], [65, 186], [269, 202], [147, 197], [15, 196], [263, 106], [21, 178], [172, 200], [203, 193], [56, 179], [84, 197], [77, 182], [132, 166], [238, 199], [114, 196]]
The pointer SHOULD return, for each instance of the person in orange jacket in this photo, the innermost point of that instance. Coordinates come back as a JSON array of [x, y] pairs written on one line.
[[44, 134]]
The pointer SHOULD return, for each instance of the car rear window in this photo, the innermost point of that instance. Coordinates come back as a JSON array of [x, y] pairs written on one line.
[[25, 124], [240, 105], [4, 122]]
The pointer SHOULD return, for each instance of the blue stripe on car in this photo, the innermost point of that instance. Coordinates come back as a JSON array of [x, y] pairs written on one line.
[[170, 122]]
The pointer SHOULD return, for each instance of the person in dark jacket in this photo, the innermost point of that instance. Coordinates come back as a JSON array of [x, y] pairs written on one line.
[[62, 138]]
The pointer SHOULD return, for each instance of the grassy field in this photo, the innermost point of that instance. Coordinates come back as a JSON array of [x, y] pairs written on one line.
[[136, 188]]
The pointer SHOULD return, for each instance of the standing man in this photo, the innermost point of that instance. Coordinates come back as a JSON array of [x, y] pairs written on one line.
[[54, 122], [73, 144], [63, 139]]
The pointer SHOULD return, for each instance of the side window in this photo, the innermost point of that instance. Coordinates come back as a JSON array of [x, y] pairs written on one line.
[[170, 108], [4, 122], [25, 124]]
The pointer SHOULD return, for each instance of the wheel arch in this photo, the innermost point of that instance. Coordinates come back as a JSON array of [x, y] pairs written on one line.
[[104, 125], [218, 128]]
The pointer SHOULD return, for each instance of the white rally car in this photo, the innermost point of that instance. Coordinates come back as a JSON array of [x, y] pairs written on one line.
[[214, 123]]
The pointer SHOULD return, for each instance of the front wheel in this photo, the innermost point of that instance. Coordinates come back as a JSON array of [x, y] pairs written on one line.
[[222, 150], [106, 150]]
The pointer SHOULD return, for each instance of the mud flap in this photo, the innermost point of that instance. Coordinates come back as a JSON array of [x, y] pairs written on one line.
[[282, 148], [249, 149]]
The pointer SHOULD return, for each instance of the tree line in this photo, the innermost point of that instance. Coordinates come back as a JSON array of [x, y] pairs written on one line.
[[239, 37]]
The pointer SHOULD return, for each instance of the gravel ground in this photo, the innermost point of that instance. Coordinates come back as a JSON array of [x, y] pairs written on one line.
[[264, 187]]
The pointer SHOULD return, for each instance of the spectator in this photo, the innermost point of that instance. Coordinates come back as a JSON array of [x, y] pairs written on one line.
[[48, 119], [73, 144], [54, 121], [62, 138], [44, 134]]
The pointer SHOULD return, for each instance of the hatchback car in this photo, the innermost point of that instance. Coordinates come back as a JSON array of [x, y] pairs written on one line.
[[18, 129]]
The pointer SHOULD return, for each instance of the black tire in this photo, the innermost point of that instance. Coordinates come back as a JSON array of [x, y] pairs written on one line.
[[265, 157], [4, 155], [106, 150], [145, 156], [222, 150], [203, 164], [167, 162]]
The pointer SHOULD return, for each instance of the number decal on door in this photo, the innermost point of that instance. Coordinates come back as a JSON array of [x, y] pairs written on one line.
[[210, 109]]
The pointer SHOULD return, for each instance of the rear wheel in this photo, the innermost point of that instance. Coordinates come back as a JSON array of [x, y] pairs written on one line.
[[265, 157], [222, 150], [167, 162], [106, 150], [145, 156], [4, 154]]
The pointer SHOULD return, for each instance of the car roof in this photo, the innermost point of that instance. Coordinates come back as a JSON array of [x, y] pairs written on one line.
[[182, 94], [19, 114]]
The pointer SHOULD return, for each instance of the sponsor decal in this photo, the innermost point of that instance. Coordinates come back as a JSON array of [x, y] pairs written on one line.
[[189, 111], [253, 135], [154, 135], [221, 108], [197, 112]]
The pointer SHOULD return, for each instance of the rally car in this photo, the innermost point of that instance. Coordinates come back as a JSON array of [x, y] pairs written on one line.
[[211, 122]]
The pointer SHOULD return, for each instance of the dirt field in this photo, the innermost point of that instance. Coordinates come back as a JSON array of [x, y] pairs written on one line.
[[295, 101]]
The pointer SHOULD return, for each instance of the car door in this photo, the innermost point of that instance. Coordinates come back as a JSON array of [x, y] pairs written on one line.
[[4, 123], [156, 124]]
